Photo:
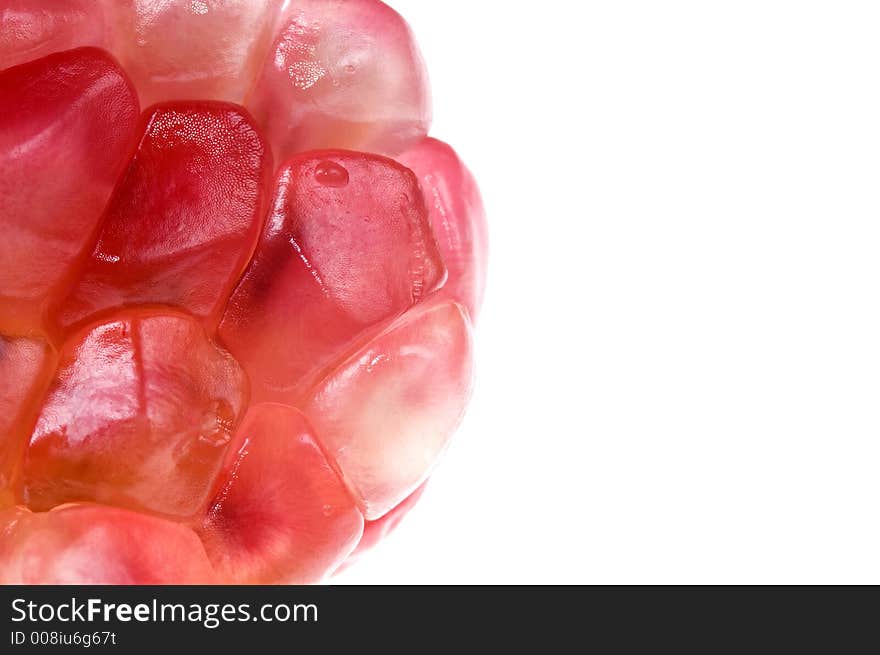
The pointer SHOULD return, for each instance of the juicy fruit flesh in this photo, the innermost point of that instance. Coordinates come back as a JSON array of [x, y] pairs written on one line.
[[184, 218], [72, 111], [402, 393], [175, 400], [251, 361], [455, 211], [225, 41], [90, 544], [25, 367], [346, 246], [342, 76], [283, 514]]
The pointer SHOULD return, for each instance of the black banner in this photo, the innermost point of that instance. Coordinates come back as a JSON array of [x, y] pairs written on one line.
[[412, 619]]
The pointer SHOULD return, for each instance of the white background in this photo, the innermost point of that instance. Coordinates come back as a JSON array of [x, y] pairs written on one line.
[[679, 358]]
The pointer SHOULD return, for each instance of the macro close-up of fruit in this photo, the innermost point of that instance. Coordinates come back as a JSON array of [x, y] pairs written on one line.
[[238, 288]]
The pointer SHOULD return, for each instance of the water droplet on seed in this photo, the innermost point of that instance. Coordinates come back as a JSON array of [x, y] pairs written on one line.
[[331, 174]]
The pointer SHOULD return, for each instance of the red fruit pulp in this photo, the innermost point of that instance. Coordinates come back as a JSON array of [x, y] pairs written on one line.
[[347, 245], [456, 214], [342, 75], [25, 367], [184, 218], [92, 544], [67, 122], [282, 514], [140, 414], [178, 50], [216, 365], [403, 393]]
